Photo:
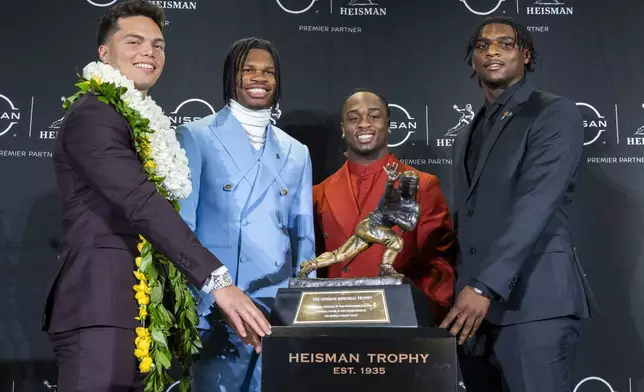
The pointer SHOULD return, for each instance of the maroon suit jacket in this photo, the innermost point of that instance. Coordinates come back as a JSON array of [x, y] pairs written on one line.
[[107, 201], [429, 251]]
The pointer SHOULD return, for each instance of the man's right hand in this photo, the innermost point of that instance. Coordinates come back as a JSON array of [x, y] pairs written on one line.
[[241, 311]]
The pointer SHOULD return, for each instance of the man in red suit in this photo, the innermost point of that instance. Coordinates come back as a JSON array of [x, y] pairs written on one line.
[[348, 196]]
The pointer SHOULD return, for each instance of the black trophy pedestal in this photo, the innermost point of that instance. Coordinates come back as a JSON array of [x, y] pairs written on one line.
[[372, 334], [342, 359]]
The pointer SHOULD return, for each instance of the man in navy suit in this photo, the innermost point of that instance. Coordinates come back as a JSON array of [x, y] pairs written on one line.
[[521, 290]]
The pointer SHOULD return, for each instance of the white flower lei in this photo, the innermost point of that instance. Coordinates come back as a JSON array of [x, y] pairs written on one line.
[[170, 159]]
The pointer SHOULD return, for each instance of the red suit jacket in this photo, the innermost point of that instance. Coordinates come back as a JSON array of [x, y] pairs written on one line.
[[428, 252]]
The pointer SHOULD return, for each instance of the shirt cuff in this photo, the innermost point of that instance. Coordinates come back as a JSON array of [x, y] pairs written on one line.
[[210, 281]]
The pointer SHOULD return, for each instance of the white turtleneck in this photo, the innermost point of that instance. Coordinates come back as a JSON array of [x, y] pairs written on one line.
[[253, 121]]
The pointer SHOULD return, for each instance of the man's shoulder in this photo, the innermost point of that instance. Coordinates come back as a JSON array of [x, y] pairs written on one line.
[[89, 111], [331, 178], [548, 101], [90, 104]]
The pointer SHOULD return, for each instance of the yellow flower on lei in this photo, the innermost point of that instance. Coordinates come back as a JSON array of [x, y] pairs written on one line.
[[142, 293], [145, 365], [139, 275]]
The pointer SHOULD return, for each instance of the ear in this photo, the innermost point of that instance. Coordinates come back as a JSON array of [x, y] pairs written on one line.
[[527, 56], [102, 53]]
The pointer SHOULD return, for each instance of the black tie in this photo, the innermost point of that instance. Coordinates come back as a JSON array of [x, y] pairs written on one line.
[[479, 134]]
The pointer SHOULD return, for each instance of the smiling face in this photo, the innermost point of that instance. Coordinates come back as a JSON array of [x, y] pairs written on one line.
[[365, 125], [497, 59], [137, 50], [256, 80]]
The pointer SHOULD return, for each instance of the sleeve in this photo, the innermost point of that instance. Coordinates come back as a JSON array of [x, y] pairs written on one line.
[[550, 162], [300, 220], [189, 205], [98, 143], [486, 290], [437, 246]]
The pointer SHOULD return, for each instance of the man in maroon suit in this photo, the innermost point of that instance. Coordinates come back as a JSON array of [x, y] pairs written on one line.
[[107, 202], [347, 197]]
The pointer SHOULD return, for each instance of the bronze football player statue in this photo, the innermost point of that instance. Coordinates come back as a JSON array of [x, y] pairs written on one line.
[[398, 207]]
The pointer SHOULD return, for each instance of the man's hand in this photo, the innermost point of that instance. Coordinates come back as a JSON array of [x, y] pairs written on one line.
[[467, 313], [242, 315], [251, 339]]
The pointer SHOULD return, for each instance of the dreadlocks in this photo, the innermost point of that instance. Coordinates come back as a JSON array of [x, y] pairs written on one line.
[[235, 60], [523, 39]]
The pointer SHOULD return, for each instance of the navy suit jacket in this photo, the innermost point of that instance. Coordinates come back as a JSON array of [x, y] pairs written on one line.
[[511, 219]]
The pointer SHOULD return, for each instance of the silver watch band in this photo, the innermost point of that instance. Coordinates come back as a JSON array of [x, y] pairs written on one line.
[[221, 281]]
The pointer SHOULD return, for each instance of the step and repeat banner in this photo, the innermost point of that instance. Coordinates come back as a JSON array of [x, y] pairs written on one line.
[[411, 51]]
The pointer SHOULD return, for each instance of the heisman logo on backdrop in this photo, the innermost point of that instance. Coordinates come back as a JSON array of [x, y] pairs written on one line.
[[549, 7], [466, 117], [638, 137], [174, 5], [363, 7], [482, 7], [9, 115], [402, 125]]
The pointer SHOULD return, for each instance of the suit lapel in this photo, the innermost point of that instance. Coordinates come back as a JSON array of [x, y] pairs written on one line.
[[339, 198], [501, 120], [271, 161], [232, 136]]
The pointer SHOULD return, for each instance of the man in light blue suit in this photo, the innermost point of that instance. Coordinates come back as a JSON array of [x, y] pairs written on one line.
[[251, 206]]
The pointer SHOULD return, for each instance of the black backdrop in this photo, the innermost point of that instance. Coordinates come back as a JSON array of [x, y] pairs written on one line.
[[412, 52]]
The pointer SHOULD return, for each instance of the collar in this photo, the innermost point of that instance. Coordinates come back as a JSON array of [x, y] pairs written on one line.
[[356, 169], [502, 100], [248, 117]]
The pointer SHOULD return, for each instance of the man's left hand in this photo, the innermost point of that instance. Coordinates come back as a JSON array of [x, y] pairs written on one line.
[[467, 314]]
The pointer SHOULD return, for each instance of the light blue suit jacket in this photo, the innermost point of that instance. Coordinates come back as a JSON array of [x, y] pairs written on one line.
[[252, 209]]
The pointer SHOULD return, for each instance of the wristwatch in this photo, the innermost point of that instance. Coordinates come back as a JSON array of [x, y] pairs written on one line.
[[221, 281], [480, 292]]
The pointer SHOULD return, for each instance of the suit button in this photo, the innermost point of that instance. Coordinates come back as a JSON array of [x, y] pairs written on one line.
[[244, 222], [346, 268], [470, 212], [228, 187], [278, 263], [472, 251], [280, 226], [243, 259], [326, 235], [284, 192]]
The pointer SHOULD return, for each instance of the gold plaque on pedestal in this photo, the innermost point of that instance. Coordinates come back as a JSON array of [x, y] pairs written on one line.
[[354, 306]]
